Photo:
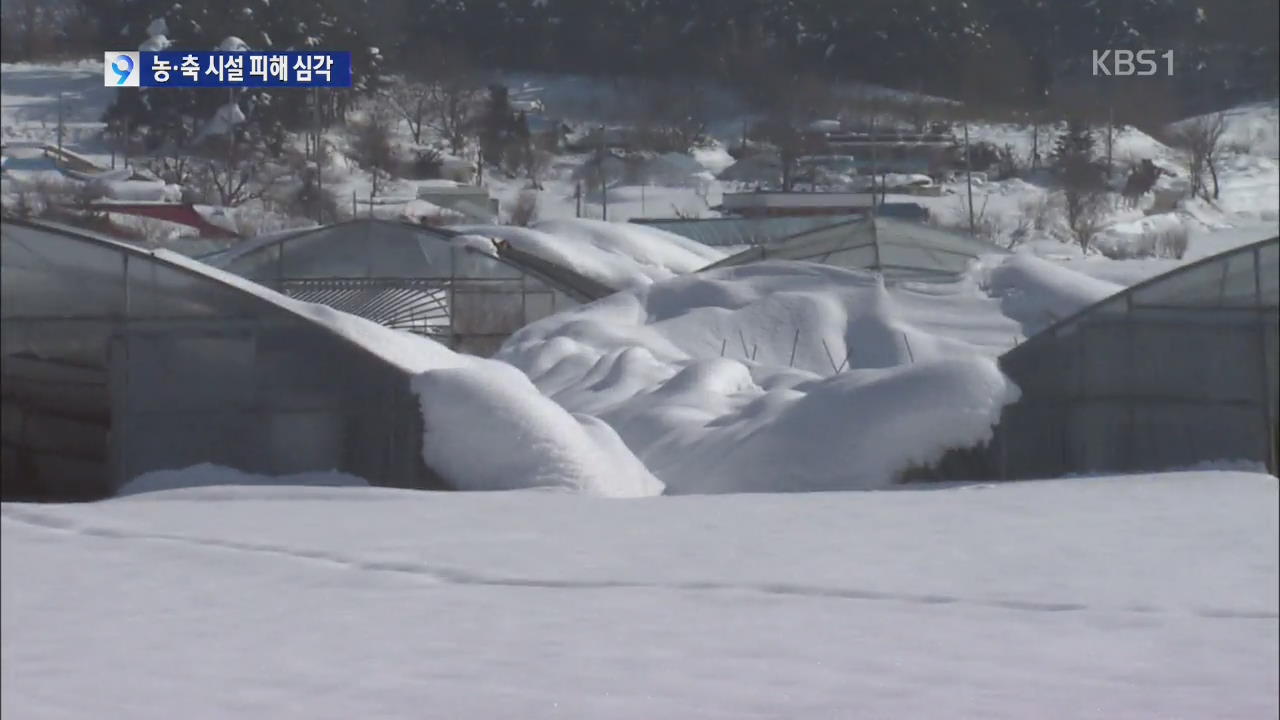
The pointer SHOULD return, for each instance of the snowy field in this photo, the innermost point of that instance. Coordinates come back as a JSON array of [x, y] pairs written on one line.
[[1123, 597]]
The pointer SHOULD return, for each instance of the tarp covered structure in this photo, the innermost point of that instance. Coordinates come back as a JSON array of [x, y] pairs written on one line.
[[119, 361]]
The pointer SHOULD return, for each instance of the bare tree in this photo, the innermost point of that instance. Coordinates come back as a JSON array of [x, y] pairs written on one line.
[[793, 102], [455, 90], [371, 145], [1085, 212], [232, 173], [1201, 140], [537, 163], [672, 114], [525, 212], [175, 169], [414, 102]]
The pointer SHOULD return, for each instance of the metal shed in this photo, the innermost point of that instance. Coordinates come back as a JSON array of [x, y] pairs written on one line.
[[119, 361]]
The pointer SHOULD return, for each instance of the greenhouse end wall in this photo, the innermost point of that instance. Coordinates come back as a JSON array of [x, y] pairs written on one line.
[[118, 362], [1178, 372]]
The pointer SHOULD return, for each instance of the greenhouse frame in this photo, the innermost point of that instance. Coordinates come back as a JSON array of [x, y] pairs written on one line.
[[740, 231], [119, 361], [1177, 371], [898, 249], [466, 292]]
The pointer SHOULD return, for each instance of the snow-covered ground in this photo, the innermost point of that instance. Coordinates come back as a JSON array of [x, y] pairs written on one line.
[[1117, 597]]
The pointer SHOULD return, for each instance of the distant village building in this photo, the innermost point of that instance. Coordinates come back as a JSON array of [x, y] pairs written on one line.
[[776, 203], [473, 202]]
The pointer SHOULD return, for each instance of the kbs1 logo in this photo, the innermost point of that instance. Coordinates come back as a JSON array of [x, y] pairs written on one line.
[[1128, 63]]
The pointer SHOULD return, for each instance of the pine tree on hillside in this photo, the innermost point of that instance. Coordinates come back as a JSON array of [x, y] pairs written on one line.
[[1074, 148], [497, 126], [1081, 177]]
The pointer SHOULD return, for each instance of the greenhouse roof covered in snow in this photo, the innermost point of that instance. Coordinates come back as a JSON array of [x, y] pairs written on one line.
[[894, 247], [1176, 371], [119, 361], [736, 231], [467, 291]]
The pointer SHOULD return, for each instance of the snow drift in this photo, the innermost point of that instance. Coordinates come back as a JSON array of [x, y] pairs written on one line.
[[779, 376], [488, 428], [619, 255], [1037, 292]]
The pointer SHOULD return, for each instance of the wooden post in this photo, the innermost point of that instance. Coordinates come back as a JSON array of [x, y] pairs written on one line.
[[968, 178]]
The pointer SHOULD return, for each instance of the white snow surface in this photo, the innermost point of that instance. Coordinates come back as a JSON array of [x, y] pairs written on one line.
[[1113, 597], [1037, 292], [207, 481], [619, 255], [488, 428], [780, 376]]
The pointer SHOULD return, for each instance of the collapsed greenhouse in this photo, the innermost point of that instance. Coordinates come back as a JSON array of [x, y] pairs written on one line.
[[466, 292], [1174, 372], [119, 361], [898, 249], [738, 231]]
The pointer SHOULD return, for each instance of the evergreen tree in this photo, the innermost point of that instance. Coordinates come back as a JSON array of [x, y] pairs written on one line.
[[497, 127]]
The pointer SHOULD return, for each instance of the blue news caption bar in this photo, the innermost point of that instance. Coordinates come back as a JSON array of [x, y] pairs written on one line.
[[194, 69]]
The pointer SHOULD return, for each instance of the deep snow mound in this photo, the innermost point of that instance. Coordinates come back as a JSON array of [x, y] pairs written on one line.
[[620, 255], [779, 376], [1038, 292], [488, 428]]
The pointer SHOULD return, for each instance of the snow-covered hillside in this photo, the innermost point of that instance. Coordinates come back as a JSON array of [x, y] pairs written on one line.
[[1117, 597]]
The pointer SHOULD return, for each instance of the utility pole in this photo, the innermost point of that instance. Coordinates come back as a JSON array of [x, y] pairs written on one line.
[[1111, 129], [315, 119], [604, 180], [60, 124], [875, 161], [968, 178]]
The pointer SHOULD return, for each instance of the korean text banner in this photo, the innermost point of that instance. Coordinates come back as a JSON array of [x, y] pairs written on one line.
[[191, 69]]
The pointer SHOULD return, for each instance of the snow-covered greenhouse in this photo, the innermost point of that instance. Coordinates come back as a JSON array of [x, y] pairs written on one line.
[[740, 231], [1177, 371], [119, 361], [467, 292], [899, 249]]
